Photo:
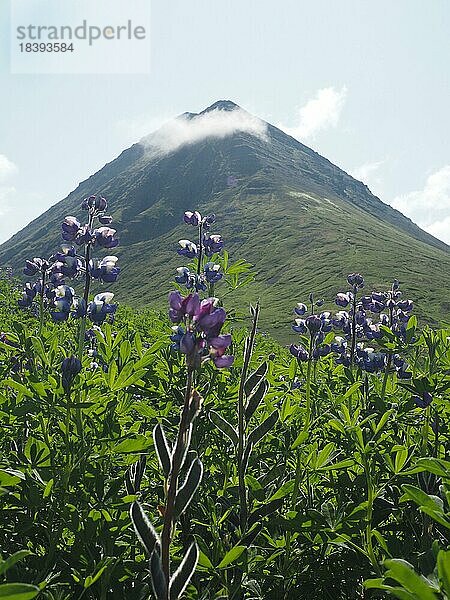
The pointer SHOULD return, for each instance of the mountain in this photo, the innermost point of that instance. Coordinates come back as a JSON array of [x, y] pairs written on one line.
[[302, 221]]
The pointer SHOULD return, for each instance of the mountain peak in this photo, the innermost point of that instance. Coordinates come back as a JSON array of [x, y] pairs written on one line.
[[221, 105]]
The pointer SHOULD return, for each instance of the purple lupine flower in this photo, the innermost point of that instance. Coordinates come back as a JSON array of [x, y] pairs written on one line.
[[95, 203], [180, 307], [65, 263], [184, 276], [70, 228], [212, 272], [340, 319], [79, 308], [70, 367], [405, 305], [188, 249], [313, 324], [379, 297], [104, 237], [299, 352], [300, 309], [343, 359], [101, 307], [217, 347], [209, 220], [342, 299], [104, 270], [423, 400], [339, 345], [200, 338], [192, 218], [300, 326], [62, 303], [327, 324], [28, 295], [34, 266], [209, 319], [355, 280], [212, 244], [372, 331], [371, 361], [322, 350]]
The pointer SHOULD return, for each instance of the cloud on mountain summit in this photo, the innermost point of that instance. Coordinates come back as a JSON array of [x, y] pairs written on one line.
[[212, 124]]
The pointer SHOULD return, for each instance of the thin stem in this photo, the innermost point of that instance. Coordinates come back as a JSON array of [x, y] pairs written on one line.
[[370, 500], [87, 287], [389, 361], [200, 248], [182, 439], [426, 427], [353, 346], [241, 424], [41, 303], [308, 383]]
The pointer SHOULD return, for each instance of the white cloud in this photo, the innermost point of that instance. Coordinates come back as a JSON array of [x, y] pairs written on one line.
[[213, 124], [320, 112], [7, 192], [16, 206], [369, 173], [132, 129], [7, 196], [7, 168], [429, 207], [440, 229], [366, 171]]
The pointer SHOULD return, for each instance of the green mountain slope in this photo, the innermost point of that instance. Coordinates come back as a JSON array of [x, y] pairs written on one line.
[[303, 222]]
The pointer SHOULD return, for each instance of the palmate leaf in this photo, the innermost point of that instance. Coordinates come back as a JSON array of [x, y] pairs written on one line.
[[144, 529], [162, 449], [182, 576]]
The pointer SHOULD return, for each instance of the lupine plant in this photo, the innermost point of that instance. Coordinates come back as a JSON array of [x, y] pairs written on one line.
[[196, 335], [205, 273], [316, 327], [51, 289]]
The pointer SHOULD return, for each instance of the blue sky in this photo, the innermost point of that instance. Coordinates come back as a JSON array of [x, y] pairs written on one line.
[[364, 83]]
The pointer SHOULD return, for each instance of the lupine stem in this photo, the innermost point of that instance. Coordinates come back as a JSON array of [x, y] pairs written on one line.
[[389, 361], [241, 424], [353, 346], [371, 495], [200, 248], [41, 303], [87, 287], [172, 487], [308, 383]]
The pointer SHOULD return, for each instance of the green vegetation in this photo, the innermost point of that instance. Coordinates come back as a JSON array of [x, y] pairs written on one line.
[[329, 506]]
